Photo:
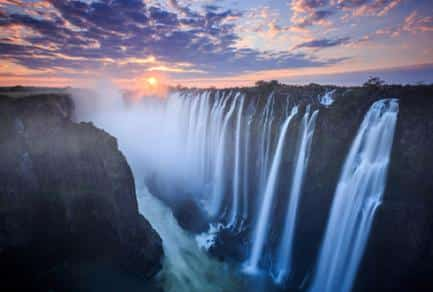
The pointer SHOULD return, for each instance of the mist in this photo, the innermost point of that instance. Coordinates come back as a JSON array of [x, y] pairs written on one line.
[[144, 133]]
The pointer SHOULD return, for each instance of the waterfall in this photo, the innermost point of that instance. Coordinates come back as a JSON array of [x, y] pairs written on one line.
[[185, 267], [326, 99], [357, 196], [246, 158], [284, 254], [195, 144], [237, 167], [216, 120], [224, 151], [218, 190], [265, 142], [262, 227]]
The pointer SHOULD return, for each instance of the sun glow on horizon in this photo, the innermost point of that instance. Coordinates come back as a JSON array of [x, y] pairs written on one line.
[[155, 85], [152, 81]]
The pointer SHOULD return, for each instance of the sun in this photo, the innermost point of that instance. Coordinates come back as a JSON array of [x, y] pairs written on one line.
[[152, 81], [149, 85]]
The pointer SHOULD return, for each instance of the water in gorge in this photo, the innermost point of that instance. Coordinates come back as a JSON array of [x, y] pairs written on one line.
[[186, 267], [230, 168]]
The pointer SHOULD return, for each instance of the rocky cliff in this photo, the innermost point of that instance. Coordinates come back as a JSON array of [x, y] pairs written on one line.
[[67, 195], [399, 252]]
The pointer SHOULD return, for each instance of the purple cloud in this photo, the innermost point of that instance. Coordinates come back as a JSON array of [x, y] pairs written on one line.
[[323, 43], [317, 12], [87, 35]]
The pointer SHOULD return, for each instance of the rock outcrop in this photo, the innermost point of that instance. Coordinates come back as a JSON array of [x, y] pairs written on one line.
[[66, 194]]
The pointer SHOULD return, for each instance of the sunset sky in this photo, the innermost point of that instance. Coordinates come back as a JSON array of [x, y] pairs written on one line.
[[219, 43]]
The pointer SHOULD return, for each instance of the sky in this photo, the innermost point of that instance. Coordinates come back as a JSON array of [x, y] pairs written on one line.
[[215, 43]]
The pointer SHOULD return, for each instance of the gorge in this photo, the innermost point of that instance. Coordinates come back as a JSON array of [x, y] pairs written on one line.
[[266, 188]]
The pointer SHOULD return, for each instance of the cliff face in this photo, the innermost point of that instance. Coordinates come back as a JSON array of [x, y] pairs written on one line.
[[401, 241], [399, 252], [66, 193]]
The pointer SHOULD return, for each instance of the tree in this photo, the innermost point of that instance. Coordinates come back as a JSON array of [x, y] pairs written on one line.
[[273, 83], [262, 83], [374, 82]]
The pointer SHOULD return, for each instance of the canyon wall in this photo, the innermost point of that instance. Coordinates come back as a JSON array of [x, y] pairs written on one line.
[[67, 195]]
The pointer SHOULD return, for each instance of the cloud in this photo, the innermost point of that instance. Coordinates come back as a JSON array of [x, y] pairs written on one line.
[[78, 36], [317, 17], [311, 12], [308, 5], [367, 7], [323, 43], [412, 24], [318, 12]]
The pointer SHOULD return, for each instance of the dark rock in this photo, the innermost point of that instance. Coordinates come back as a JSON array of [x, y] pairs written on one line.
[[190, 216], [66, 193]]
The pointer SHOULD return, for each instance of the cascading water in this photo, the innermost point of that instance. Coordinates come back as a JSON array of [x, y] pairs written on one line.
[[284, 255], [204, 143], [326, 99], [237, 166], [358, 195], [218, 189], [265, 144], [262, 228], [224, 150], [186, 267], [246, 169]]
